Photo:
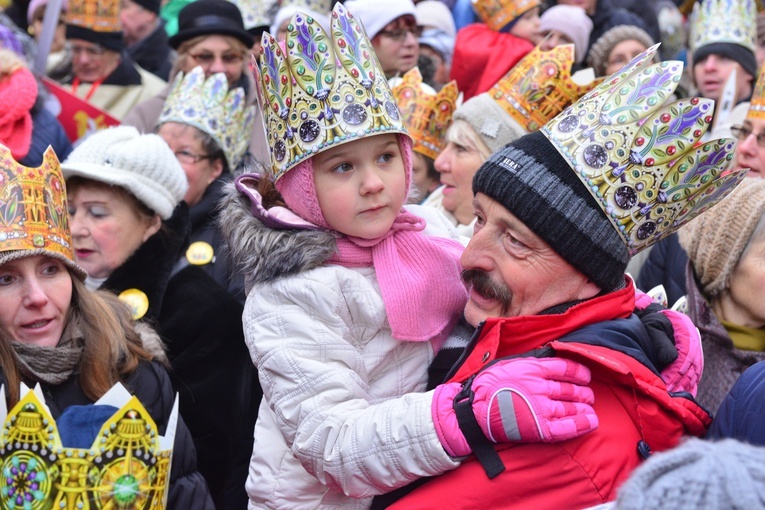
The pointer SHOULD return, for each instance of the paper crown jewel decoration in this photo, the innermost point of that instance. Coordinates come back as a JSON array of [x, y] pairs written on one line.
[[323, 91], [96, 15], [539, 87], [640, 159], [427, 113], [498, 13], [33, 210], [127, 466], [724, 21], [209, 106], [757, 103]]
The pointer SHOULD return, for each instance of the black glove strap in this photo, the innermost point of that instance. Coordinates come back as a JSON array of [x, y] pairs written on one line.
[[482, 448]]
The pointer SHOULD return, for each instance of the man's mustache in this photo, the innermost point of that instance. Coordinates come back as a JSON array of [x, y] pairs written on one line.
[[482, 283]]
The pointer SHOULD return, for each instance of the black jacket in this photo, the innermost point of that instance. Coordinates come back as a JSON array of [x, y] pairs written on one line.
[[665, 266], [201, 325], [153, 52], [151, 384]]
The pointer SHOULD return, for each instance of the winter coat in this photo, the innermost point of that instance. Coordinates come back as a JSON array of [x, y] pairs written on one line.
[[665, 266], [636, 412], [153, 52], [46, 131], [204, 228], [483, 56], [742, 412], [201, 326], [723, 362], [122, 90], [151, 384], [342, 417], [436, 200]]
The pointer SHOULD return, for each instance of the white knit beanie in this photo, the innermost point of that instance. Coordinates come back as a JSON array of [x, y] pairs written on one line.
[[493, 124], [571, 21], [376, 14], [142, 164]]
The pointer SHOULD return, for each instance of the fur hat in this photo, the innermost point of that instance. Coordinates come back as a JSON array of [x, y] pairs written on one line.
[[601, 49], [571, 21], [376, 14], [142, 164], [715, 240], [495, 127]]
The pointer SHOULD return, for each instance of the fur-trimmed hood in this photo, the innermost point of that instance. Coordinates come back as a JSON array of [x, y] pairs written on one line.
[[264, 254]]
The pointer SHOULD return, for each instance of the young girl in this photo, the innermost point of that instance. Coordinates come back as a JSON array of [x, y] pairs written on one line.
[[350, 294]]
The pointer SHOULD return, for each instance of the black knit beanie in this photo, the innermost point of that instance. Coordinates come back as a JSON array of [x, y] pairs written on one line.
[[533, 181], [743, 56], [109, 40], [150, 5]]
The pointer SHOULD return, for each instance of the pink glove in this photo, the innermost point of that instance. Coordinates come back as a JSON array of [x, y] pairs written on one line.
[[519, 399]]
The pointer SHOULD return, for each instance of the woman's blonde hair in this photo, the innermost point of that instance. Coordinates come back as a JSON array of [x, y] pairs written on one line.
[[10, 62], [112, 348], [462, 133]]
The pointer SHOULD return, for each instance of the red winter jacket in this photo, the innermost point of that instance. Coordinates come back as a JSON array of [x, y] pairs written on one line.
[[483, 56], [631, 401]]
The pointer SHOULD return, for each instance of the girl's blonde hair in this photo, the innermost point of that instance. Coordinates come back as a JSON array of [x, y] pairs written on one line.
[[10, 62]]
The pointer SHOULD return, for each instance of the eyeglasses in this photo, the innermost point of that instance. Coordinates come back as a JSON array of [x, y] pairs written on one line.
[[187, 158], [399, 34], [742, 133], [95, 51], [229, 59]]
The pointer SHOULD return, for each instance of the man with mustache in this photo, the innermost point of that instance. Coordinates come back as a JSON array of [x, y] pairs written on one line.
[[545, 275]]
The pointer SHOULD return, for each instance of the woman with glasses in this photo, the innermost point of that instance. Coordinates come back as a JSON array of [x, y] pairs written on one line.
[[211, 35], [129, 230]]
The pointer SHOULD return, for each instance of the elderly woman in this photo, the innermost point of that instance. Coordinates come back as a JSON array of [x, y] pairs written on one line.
[[219, 44], [129, 231], [615, 48], [76, 344], [725, 279]]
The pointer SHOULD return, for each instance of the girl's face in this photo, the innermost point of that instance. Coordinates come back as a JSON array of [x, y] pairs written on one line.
[[527, 26], [361, 185], [36, 293], [622, 54], [106, 228], [421, 179], [200, 170]]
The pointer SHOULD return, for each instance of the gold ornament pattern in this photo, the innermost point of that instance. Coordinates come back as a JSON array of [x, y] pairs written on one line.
[[498, 13]]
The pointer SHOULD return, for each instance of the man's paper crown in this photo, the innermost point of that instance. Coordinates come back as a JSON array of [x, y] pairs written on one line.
[[757, 102], [640, 159], [427, 113], [127, 467], [498, 13], [724, 21], [323, 90], [539, 87]]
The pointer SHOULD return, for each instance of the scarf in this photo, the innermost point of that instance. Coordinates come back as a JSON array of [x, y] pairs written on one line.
[[18, 93], [52, 365]]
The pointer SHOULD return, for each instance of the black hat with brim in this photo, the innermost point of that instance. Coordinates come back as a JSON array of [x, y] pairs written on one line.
[[210, 17]]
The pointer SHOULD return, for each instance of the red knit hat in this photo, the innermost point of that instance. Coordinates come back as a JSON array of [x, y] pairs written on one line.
[[18, 93]]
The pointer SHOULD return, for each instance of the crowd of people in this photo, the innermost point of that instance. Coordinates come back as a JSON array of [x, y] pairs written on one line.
[[382, 253]]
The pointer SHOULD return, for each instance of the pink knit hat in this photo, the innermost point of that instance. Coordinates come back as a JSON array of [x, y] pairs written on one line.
[[18, 93]]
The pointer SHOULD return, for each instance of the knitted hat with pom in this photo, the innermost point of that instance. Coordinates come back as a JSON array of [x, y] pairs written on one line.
[[142, 164]]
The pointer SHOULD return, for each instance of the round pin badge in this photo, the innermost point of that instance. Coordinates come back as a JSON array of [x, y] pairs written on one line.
[[136, 301], [200, 253]]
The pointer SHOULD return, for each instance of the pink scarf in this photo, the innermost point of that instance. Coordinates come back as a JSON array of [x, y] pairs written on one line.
[[419, 275]]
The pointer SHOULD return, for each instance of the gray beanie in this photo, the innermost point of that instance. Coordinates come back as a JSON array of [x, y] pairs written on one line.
[[531, 179], [142, 164], [495, 127], [701, 475], [599, 51]]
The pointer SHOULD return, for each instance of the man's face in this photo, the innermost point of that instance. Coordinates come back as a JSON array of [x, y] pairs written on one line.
[[91, 62], [137, 22], [711, 73], [510, 271]]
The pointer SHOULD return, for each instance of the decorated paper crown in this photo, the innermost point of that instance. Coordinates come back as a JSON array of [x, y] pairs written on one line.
[[96, 15], [324, 91], [539, 87], [757, 103], [322, 6], [33, 209], [427, 114], [640, 159], [498, 13], [209, 106], [127, 467], [724, 21]]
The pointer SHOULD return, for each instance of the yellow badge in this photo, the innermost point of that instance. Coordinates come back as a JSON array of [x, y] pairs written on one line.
[[136, 301], [199, 253]]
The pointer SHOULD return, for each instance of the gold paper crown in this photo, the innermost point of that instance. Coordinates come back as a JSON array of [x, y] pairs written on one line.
[[96, 15], [208, 105], [757, 103], [427, 114], [324, 91], [640, 159], [724, 21], [127, 467], [539, 87], [33, 210], [498, 13]]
